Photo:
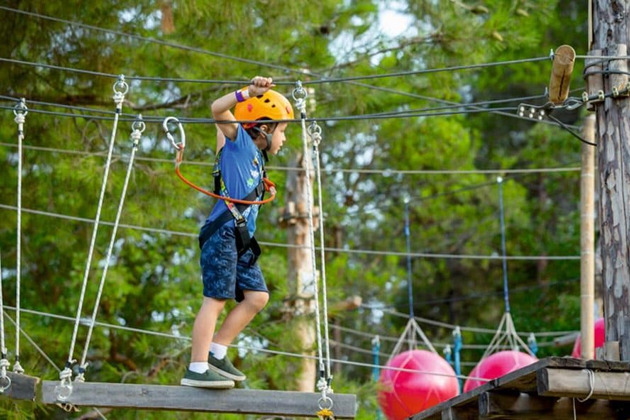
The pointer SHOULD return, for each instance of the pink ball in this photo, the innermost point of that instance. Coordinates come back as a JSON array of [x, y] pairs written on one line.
[[402, 394], [600, 337], [497, 365]]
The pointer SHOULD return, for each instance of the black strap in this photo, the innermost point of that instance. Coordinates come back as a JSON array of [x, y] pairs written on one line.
[[209, 228]]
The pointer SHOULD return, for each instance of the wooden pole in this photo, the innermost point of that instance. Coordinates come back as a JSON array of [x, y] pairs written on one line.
[[610, 35], [587, 243]]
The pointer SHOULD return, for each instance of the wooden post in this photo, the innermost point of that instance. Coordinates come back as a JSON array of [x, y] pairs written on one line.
[[587, 243], [561, 70], [610, 35], [300, 304]]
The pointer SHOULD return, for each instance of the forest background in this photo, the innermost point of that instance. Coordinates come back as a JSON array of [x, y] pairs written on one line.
[[370, 165]]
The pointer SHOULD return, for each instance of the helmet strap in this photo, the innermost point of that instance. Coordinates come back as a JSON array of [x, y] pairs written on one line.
[[268, 137]]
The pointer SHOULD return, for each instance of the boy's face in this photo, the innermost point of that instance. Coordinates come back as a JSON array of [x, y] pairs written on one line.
[[278, 138]]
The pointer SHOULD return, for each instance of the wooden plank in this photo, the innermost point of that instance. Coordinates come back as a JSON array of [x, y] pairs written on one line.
[[23, 387], [182, 398], [493, 405], [523, 379], [577, 383], [571, 363]]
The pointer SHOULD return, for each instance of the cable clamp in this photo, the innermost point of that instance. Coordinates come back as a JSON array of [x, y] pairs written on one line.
[[64, 389], [138, 128], [299, 95], [5, 381], [572, 103], [20, 111], [532, 112], [17, 367], [315, 132], [120, 90], [601, 95]]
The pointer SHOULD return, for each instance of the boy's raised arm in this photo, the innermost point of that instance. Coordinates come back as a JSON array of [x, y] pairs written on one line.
[[221, 107]]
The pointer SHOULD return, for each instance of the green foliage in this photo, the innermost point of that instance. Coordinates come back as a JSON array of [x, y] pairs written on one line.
[[153, 282]]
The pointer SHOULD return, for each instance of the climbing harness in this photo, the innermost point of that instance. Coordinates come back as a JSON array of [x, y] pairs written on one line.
[[20, 112], [64, 389], [138, 128], [181, 146], [235, 207], [5, 381]]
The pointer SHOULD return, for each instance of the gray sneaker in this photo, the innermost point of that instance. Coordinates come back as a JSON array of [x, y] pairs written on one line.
[[208, 379], [225, 368]]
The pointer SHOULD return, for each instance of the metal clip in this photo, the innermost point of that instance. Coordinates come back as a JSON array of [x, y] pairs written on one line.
[[182, 144]]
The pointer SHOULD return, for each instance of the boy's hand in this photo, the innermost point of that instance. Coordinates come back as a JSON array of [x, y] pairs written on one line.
[[259, 85]]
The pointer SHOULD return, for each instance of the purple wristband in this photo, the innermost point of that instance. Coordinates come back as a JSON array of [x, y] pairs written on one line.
[[239, 96]]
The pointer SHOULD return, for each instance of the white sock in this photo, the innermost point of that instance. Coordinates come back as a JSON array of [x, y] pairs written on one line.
[[218, 350], [198, 367]]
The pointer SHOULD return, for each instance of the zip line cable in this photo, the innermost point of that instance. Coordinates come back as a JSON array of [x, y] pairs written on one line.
[[384, 172], [327, 249], [303, 72], [402, 113], [278, 83], [245, 347], [153, 40]]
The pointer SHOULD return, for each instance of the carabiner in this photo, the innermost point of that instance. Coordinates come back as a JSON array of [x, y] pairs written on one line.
[[182, 144]]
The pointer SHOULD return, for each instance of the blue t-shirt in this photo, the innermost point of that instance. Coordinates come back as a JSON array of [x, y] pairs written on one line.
[[241, 170]]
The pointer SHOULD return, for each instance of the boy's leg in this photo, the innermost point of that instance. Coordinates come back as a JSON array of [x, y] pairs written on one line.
[[198, 373], [234, 323], [241, 316], [203, 328]]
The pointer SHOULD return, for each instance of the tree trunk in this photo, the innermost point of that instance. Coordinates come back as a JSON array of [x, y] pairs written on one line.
[[610, 35], [300, 270]]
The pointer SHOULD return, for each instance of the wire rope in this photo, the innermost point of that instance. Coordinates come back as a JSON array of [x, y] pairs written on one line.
[[5, 381], [299, 95], [314, 131], [328, 249], [137, 129], [20, 112], [64, 389], [384, 172]]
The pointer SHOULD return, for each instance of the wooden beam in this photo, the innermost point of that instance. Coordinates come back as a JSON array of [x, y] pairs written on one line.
[[181, 398], [23, 387], [561, 70], [532, 407], [578, 384]]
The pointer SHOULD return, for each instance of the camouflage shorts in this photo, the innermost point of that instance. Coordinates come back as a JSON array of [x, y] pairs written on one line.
[[225, 275]]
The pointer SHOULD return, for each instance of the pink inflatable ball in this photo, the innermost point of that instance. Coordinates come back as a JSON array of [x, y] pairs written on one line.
[[600, 337], [497, 365], [402, 394]]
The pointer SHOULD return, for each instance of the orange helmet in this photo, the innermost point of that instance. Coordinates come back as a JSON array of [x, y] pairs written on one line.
[[270, 105]]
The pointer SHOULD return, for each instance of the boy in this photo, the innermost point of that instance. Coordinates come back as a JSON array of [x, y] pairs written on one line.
[[228, 249]]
